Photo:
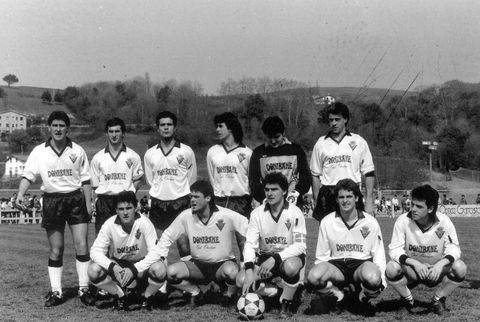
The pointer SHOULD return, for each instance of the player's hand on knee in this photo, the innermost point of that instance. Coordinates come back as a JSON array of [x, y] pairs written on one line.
[[127, 277], [266, 268], [118, 273], [422, 271], [435, 271]]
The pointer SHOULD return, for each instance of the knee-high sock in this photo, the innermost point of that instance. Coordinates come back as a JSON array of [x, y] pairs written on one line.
[[152, 287], [332, 289], [186, 286], [401, 287], [447, 286], [81, 263], [288, 291], [55, 270], [110, 286]]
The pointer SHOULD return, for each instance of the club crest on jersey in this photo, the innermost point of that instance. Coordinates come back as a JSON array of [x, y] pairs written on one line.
[[129, 163], [439, 232], [353, 145], [241, 157], [220, 224], [288, 223], [73, 157], [365, 231], [180, 158], [138, 234]]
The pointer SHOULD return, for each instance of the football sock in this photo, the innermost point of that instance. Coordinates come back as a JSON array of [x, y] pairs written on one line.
[[401, 287], [55, 270], [163, 288], [81, 263], [152, 287], [288, 291], [110, 286], [446, 287], [332, 289], [267, 289], [188, 287]]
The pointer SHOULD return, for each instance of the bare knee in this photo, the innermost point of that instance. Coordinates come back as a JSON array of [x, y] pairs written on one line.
[[229, 272], [158, 271], [393, 270], [371, 277], [56, 253], [81, 246], [316, 276], [95, 272], [459, 270]]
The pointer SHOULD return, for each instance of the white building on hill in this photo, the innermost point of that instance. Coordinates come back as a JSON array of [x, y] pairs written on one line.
[[11, 120], [14, 166]]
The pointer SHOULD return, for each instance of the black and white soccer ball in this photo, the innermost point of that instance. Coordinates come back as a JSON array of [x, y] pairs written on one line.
[[251, 306]]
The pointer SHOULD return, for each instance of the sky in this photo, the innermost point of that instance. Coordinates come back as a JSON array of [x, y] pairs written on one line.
[[373, 43]]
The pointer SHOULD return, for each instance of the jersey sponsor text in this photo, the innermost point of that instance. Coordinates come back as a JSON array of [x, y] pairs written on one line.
[[349, 248], [60, 173]]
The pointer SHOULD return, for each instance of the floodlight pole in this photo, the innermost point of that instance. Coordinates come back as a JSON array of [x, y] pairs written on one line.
[[432, 145]]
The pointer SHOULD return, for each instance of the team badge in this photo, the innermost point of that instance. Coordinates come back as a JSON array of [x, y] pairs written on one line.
[[138, 234], [129, 163], [73, 157], [439, 232], [288, 223], [353, 145], [364, 231], [180, 158], [241, 157], [220, 224]]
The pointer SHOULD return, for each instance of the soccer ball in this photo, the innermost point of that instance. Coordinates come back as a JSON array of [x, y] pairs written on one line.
[[251, 306]]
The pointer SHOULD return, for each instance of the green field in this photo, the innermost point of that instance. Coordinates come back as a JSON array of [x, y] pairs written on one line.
[[24, 280]]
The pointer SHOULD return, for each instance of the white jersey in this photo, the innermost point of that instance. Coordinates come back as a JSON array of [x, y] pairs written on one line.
[[428, 246], [170, 173], [112, 175], [285, 235], [132, 247], [361, 241], [209, 242], [333, 161], [60, 172], [228, 170]]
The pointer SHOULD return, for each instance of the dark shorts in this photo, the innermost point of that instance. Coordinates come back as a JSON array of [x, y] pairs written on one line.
[[163, 213], [348, 266], [276, 269], [206, 271], [59, 208], [240, 204], [105, 207]]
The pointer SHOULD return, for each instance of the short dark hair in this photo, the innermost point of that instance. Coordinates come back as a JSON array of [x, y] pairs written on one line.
[[58, 115], [273, 125], [339, 108], [164, 115], [232, 123], [349, 185], [128, 197], [204, 187], [276, 177], [115, 122], [428, 194]]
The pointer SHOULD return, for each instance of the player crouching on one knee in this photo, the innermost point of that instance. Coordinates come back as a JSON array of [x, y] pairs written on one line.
[[425, 250], [130, 237], [210, 230], [275, 245], [349, 251]]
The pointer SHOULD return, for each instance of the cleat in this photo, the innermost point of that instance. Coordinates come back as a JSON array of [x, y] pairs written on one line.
[[409, 305], [119, 302], [104, 300], [86, 297], [148, 303], [439, 307], [286, 309], [53, 299], [228, 301], [133, 302], [338, 307]]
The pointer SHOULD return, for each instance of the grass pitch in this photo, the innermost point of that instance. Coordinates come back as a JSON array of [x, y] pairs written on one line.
[[24, 283]]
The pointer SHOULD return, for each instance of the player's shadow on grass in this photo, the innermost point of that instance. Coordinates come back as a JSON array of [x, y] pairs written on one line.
[[421, 307], [472, 284], [70, 293]]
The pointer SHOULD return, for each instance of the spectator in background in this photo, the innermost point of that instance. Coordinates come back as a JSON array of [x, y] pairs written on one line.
[[395, 203], [36, 203], [478, 199], [463, 200], [451, 202], [445, 200]]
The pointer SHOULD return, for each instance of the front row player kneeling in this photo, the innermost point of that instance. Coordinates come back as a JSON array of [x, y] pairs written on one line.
[[275, 244], [210, 230], [425, 250], [130, 237], [349, 251]]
